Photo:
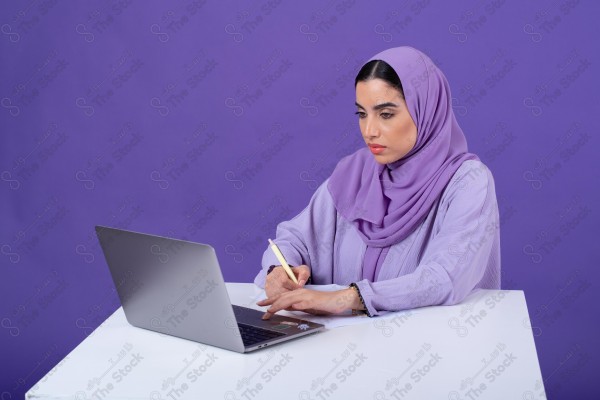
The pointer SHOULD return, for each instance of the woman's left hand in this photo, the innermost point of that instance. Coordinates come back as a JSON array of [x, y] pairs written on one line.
[[311, 301]]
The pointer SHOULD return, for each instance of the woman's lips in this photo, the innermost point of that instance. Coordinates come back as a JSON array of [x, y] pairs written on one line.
[[376, 149]]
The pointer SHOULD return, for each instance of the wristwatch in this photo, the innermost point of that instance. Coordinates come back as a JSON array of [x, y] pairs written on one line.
[[272, 267], [354, 286]]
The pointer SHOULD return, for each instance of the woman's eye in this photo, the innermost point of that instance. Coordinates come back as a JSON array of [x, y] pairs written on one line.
[[387, 115], [360, 114]]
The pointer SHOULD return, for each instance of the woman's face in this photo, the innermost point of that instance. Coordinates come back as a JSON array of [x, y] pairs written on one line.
[[384, 120]]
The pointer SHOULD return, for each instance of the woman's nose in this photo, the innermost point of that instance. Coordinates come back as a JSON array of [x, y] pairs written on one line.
[[371, 129]]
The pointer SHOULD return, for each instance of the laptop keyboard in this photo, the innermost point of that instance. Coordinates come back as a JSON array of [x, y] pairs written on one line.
[[252, 335]]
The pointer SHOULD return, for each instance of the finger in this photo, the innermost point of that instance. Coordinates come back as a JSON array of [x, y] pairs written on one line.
[[287, 300], [280, 303], [267, 315], [265, 302], [303, 275], [268, 301], [276, 308]]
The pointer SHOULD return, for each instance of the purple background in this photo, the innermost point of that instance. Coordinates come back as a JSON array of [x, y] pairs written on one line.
[[213, 121]]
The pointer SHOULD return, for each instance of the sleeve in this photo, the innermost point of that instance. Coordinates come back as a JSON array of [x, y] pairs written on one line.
[[304, 238], [455, 259]]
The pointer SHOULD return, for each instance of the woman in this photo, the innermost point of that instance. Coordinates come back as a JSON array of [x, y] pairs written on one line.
[[410, 220]]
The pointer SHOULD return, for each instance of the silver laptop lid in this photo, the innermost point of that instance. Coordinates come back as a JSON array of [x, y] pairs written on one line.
[[171, 286]]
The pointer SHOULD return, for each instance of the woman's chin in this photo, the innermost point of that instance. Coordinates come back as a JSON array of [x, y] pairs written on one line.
[[382, 159]]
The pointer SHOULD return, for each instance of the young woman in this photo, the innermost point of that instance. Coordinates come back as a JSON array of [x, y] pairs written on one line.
[[410, 220]]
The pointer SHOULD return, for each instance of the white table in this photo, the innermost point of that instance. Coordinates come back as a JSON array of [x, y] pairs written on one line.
[[481, 349]]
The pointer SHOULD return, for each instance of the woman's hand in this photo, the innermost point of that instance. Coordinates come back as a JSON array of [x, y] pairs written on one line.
[[312, 301], [278, 281]]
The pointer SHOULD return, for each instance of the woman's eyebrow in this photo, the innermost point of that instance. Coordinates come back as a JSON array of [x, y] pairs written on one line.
[[378, 106]]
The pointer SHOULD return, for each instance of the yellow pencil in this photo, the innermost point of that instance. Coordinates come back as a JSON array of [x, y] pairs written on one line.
[[284, 263]]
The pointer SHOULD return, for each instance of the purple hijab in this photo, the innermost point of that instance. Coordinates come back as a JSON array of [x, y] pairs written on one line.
[[386, 203]]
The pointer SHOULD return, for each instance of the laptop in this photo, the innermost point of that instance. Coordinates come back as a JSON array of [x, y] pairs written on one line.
[[175, 287]]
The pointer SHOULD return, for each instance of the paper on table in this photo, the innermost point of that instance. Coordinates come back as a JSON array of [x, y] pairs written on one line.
[[330, 321]]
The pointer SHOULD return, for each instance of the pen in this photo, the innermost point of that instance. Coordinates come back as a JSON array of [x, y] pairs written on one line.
[[284, 263]]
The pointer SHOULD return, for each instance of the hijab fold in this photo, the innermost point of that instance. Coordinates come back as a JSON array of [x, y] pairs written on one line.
[[386, 203]]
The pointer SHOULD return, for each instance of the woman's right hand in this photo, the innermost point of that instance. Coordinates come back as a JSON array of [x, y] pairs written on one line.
[[278, 280]]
